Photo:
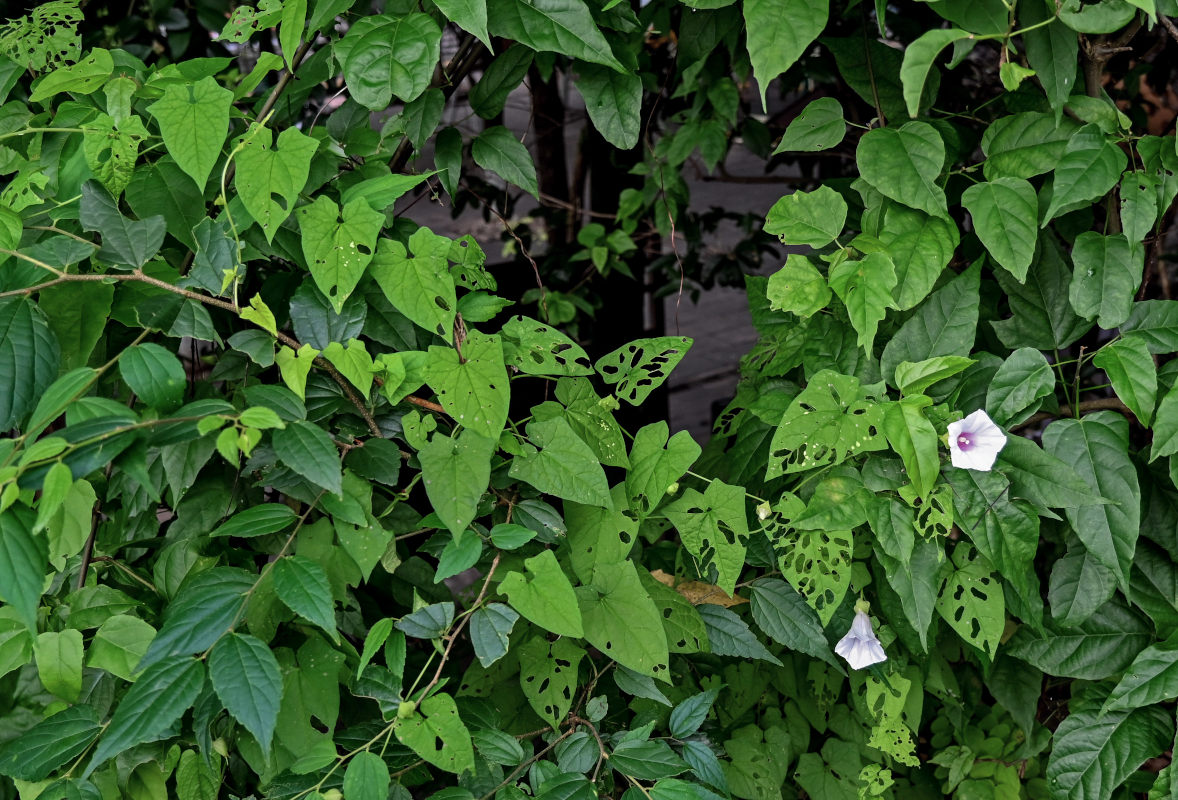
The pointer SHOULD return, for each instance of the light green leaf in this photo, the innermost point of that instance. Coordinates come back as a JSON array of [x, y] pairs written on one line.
[[417, 281], [367, 777], [1139, 205], [820, 126], [774, 47], [915, 378], [548, 675], [614, 102], [154, 702], [1090, 166], [559, 26], [538, 349], [59, 662], [81, 78], [921, 247], [1107, 274], [303, 586], [656, 462], [565, 466], [455, 472], [338, 246], [1156, 321], [918, 60], [714, 529], [971, 602], [811, 218], [904, 164], [798, 287], [290, 30], [308, 450], [1004, 211], [381, 192], [545, 597], [436, 733], [1019, 387], [865, 287], [246, 677], [119, 645], [914, 439], [496, 149], [388, 55], [1133, 374], [194, 121], [270, 175], [353, 362], [472, 385], [621, 620], [1097, 446], [1165, 431]]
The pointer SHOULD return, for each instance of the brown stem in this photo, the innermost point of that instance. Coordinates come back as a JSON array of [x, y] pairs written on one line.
[[452, 637], [1101, 404]]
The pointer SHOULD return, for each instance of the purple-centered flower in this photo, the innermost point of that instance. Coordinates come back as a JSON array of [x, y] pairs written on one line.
[[861, 647], [975, 441]]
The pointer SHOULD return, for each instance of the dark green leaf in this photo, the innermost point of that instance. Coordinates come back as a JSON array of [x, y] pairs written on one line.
[[50, 744], [308, 450], [303, 586], [247, 679]]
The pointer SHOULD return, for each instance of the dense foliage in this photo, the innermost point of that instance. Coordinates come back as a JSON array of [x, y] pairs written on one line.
[[298, 502]]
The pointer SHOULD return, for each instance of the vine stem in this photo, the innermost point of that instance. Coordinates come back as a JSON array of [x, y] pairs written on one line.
[[452, 637], [515, 773], [1100, 404]]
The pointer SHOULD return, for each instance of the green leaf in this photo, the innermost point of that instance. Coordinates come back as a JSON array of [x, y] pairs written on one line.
[[655, 463], [257, 520], [1045, 480], [538, 349], [436, 733], [302, 584], [366, 777], [23, 559], [428, 622], [1139, 205], [639, 685], [1107, 274], [338, 247], [865, 287], [1019, 387], [247, 679], [1041, 317], [77, 314], [119, 645], [383, 191], [564, 466], [921, 247], [1156, 321], [648, 760], [155, 375], [548, 676], [472, 384], [59, 663], [729, 635], [559, 26], [916, 582], [915, 378], [1090, 166], [388, 55], [1151, 678], [206, 606], [417, 280], [621, 620], [194, 121], [773, 47], [1024, 145], [1092, 754], [501, 77], [714, 530], [1053, 52], [614, 102], [798, 287], [811, 218], [903, 164], [944, 325], [308, 450], [455, 472], [971, 602], [490, 628], [918, 60], [1097, 446], [640, 367], [81, 78], [290, 30], [914, 439], [498, 747], [691, 713], [545, 597], [1004, 211], [1079, 585], [271, 174], [783, 614], [496, 149], [1133, 374], [124, 240], [820, 126], [111, 150], [153, 704], [1102, 646], [50, 744]]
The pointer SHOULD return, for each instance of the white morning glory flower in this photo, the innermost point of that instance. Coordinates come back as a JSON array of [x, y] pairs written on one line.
[[861, 647], [974, 442]]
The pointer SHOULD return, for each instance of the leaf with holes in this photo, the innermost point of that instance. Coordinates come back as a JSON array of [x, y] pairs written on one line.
[[640, 367], [417, 280], [338, 246], [544, 596], [714, 529], [538, 349], [548, 676], [818, 564], [270, 175], [589, 417], [111, 149], [472, 385], [621, 620], [685, 631], [971, 602], [832, 419], [798, 287], [436, 733]]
